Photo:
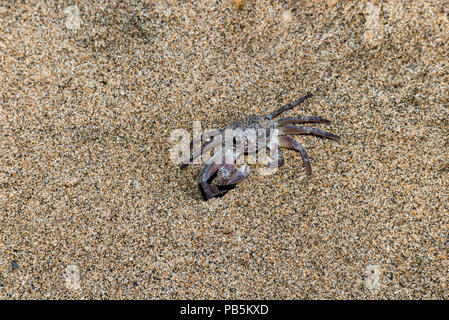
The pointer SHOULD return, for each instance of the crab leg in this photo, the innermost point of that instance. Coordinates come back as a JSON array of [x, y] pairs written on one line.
[[289, 106], [289, 143], [280, 158], [203, 137], [307, 130], [206, 147], [302, 119]]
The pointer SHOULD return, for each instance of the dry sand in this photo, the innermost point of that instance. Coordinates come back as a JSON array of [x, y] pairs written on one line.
[[92, 207]]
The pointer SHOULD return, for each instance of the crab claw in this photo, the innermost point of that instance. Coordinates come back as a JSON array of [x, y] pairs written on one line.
[[227, 175], [210, 191]]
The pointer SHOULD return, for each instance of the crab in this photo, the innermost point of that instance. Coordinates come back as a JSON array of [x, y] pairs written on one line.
[[271, 134]]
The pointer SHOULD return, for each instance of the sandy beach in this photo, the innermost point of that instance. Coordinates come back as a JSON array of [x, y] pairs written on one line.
[[92, 207]]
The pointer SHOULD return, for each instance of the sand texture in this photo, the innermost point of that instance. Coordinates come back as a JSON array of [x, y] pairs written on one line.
[[92, 207]]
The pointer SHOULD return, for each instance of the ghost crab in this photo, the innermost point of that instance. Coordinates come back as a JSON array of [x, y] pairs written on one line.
[[240, 142]]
